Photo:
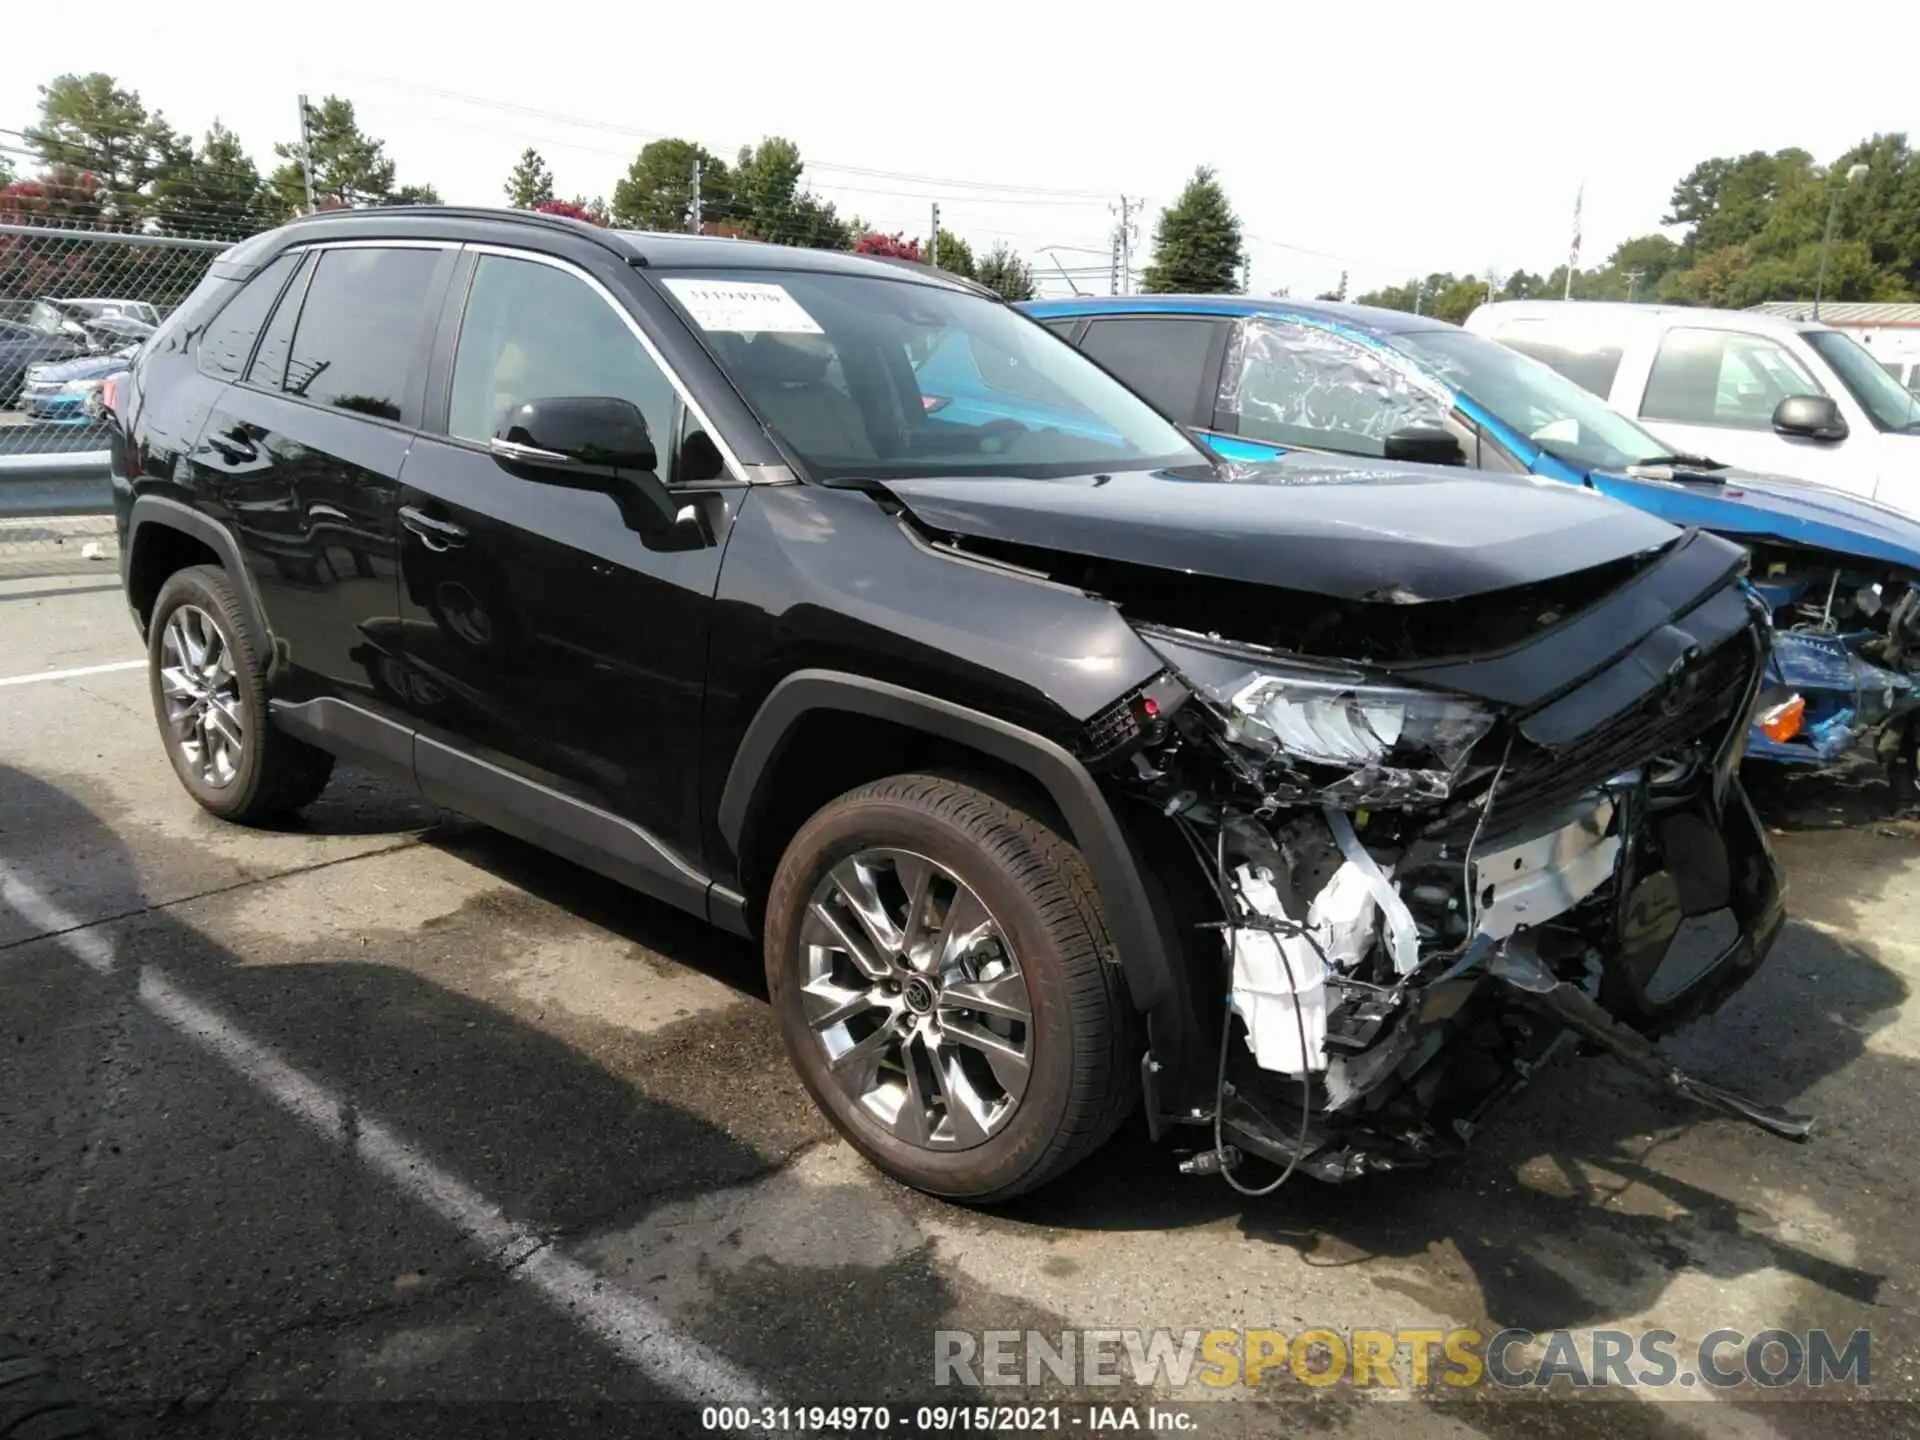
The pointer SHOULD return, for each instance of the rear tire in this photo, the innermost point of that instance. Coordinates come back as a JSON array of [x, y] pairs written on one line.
[[207, 674], [935, 1112]]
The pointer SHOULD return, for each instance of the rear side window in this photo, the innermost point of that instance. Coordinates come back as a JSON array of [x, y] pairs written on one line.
[[1165, 360], [1588, 363], [1722, 377], [360, 341], [228, 342]]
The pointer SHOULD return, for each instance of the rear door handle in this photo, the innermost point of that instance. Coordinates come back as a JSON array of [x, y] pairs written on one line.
[[437, 535]]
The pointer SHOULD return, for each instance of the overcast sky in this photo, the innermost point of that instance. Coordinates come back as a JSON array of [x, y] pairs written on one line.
[[1379, 138]]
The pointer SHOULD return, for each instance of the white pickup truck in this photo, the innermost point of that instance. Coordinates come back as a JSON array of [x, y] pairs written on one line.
[[1761, 392]]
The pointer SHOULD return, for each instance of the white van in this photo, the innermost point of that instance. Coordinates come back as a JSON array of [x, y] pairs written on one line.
[[1761, 392]]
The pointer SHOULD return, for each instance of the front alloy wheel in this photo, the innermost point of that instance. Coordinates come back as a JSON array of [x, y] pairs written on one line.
[[916, 999], [939, 964]]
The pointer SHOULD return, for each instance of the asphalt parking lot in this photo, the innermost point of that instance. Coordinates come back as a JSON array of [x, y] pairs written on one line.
[[387, 1120]]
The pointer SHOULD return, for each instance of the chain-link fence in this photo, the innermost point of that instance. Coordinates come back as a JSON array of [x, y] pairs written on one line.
[[74, 305]]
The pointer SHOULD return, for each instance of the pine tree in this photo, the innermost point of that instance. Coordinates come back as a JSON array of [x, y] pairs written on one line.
[[530, 184], [1196, 247]]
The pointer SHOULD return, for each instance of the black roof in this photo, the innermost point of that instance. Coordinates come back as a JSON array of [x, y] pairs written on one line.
[[651, 249]]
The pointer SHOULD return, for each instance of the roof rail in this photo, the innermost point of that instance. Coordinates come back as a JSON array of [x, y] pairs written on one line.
[[453, 212]]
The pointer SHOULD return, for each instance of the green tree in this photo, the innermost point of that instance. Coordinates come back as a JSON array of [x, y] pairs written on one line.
[[769, 203], [956, 256], [657, 191], [90, 125], [1196, 246], [530, 182], [214, 190], [351, 168], [1005, 273]]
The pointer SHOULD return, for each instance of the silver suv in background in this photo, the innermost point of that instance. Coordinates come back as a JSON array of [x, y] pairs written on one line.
[[1761, 392]]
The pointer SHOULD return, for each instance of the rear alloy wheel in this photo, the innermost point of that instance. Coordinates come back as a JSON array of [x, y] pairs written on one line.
[[201, 693], [940, 968], [209, 697]]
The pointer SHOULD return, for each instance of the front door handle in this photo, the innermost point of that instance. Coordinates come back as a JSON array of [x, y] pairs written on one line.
[[437, 535]]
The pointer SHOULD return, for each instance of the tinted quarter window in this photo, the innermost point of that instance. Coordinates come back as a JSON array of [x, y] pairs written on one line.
[[227, 343], [1164, 359], [360, 341], [532, 332], [269, 365], [1721, 377], [1297, 384]]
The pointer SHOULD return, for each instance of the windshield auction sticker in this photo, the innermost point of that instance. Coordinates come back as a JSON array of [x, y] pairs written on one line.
[[747, 306]]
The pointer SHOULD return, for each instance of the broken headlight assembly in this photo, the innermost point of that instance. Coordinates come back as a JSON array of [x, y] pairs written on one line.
[[1326, 734]]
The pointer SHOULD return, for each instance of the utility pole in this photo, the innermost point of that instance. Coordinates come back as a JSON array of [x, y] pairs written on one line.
[[1634, 278], [306, 153], [693, 206], [1121, 280], [1419, 289], [934, 252]]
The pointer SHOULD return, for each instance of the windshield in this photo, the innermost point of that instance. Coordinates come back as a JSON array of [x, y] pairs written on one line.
[[866, 377], [1891, 404], [1534, 399]]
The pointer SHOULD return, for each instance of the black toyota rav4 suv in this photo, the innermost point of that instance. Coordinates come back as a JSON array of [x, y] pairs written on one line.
[[1054, 767]]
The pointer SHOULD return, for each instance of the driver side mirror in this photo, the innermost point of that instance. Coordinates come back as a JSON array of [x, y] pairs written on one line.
[[589, 442], [1425, 445], [1811, 417]]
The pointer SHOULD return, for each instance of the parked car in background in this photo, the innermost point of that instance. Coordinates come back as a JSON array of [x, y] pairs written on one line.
[[1010, 744], [61, 390], [22, 346], [71, 315], [109, 333], [1840, 575], [1766, 392]]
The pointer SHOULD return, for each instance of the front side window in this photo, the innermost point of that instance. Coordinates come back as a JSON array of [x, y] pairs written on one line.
[[1295, 384], [1531, 399], [846, 371], [360, 340], [1879, 392], [227, 344], [1722, 377], [532, 332]]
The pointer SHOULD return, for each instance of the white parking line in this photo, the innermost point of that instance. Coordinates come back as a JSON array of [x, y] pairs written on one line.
[[626, 1324], [73, 674]]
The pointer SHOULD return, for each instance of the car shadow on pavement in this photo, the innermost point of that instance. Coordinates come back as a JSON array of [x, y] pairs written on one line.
[[185, 1246]]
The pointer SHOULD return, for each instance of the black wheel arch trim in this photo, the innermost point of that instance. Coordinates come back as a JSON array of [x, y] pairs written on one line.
[[1147, 952], [168, 514]]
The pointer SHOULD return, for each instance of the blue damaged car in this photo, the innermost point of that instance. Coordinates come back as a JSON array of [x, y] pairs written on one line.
[[1255, 378]]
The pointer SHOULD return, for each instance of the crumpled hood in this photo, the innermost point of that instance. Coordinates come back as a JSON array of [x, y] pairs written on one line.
[[1351, 530], [1742, 503]]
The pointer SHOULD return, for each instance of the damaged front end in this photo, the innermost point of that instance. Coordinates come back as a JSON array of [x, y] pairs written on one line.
[[1420, 878]]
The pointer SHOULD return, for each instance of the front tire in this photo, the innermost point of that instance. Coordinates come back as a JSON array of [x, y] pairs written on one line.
[[208, 679], [941, 971]]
